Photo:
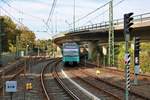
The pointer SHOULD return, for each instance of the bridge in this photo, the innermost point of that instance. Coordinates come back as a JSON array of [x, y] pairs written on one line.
[[99, 31]]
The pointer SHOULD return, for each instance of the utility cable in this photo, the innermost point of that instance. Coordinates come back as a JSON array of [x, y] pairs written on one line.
[[19, 11], [91, 12], [15, 18], [51, 11], [11, 16], [105, 11], [24, 13]]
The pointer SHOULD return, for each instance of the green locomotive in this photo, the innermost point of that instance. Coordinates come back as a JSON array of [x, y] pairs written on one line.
[[71, 53]]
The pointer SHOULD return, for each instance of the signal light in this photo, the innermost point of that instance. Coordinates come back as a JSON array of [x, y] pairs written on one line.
[[128, 23], [137, 44]]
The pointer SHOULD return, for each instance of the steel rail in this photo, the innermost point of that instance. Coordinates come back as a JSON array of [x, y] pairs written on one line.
[[57, 77]]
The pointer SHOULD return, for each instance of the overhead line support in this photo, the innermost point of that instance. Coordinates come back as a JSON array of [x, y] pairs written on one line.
[[111, 57]]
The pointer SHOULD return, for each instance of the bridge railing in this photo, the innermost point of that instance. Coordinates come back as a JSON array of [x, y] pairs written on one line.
[[117, 23]]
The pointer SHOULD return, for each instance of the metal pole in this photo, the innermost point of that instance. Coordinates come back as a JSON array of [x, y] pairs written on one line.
[[3, 84], [24, 77], [16, 46], [74, 16], [52, 49], [127, 55], [56, 24], [111, 35], [126, 66], [109, 38], [1, 41], [11, 94], [85, 61], [0, 51], [38, 50], [104, 60], [135, 79], [98, 59], [136, 60]]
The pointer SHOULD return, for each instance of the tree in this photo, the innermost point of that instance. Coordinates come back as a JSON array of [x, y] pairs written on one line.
[[26, 37], [8, 29], [11, 32]]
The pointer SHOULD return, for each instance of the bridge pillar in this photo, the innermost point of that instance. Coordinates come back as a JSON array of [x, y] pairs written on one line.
[[91, 46], [58, 52]]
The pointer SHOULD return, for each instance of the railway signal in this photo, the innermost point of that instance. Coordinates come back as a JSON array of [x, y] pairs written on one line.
[[127, 25], [137, 45], [136, 59], [127, 31]]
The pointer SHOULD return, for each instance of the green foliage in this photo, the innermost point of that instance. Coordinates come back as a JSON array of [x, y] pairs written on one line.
[[11, 31], [8, 30], [26, 37], [12, 48], [144, 57], [45, 46]]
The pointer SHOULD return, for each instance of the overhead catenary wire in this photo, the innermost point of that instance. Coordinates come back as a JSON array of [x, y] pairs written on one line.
[[105, 11], [15, 18], [51, 11], [24, 13], [19, 11], [11, 16], [90, 13]]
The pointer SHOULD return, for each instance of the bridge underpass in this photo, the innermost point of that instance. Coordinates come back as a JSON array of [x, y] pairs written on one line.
[[99, 33]]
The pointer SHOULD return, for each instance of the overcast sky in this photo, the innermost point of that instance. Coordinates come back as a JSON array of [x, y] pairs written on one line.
[[33, 12]]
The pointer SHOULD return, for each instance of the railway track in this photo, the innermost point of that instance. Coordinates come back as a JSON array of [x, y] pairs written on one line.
[[14, 71], [91, 85], [10, 75], [54, 88], [115, 91], [120, 72]]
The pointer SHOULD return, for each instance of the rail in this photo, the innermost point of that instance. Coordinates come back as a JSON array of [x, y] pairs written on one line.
[[56, 75], [42, 82]]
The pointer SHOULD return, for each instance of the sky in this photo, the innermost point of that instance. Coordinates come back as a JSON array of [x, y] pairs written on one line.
[[34, 13]]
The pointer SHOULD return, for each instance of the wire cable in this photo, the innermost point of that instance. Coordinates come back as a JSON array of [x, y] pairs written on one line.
[[11, 16], [24, 13], [91, 12], [51, 11], [19, 11], [104, 11]]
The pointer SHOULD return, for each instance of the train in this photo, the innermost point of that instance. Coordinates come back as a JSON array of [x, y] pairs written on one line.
[[71, 54]]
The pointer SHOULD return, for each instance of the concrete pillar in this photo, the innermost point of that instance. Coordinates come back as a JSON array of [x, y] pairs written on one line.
[[58, 52], [91, 46]]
